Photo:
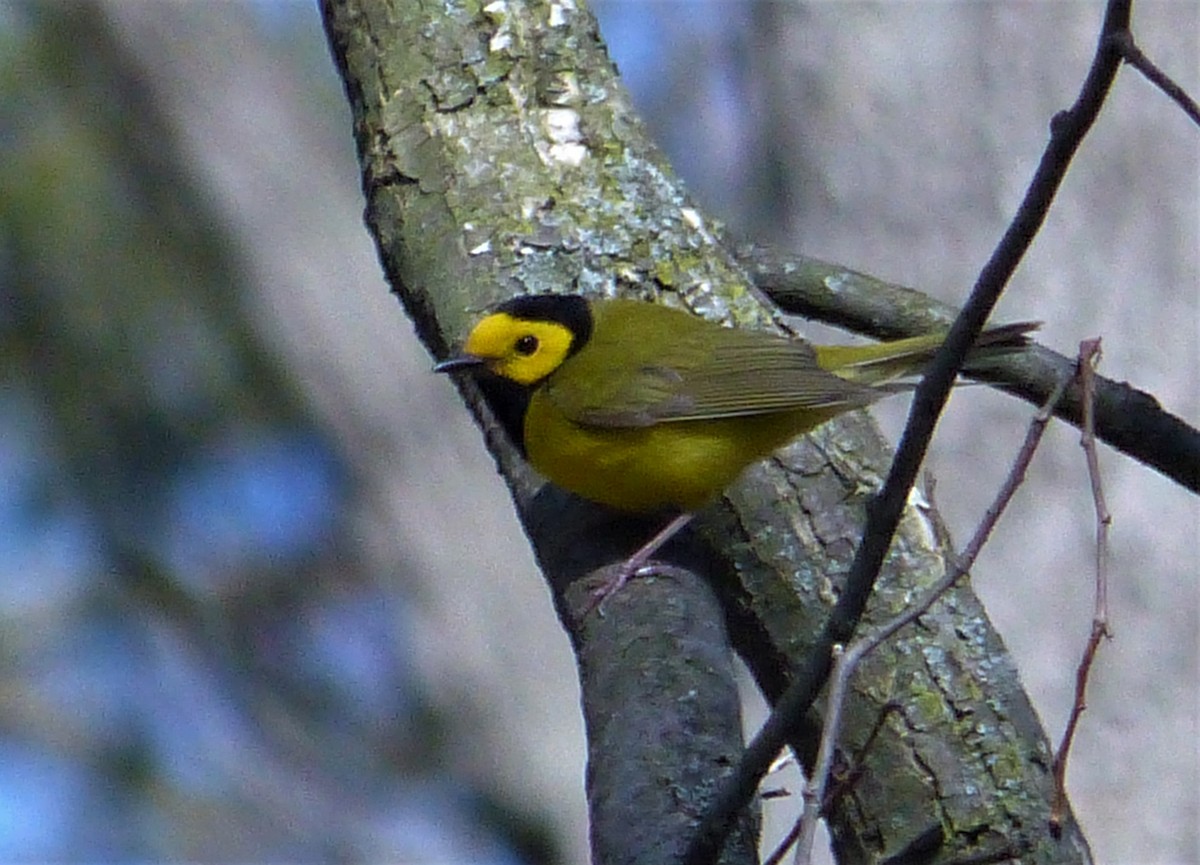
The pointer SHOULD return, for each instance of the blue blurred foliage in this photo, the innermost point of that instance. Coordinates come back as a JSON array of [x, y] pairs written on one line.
[[256, 498], [41, 794], [48, 541]]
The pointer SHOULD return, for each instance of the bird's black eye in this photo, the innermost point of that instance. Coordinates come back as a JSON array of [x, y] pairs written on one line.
[[527, 345]]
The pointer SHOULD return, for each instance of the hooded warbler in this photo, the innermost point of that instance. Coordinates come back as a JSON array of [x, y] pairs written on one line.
[[647, 409]]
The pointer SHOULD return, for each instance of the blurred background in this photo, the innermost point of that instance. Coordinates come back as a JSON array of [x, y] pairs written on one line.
[[262, 594]]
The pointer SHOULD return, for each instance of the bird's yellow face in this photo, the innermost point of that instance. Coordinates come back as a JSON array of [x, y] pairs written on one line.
[[522, 350]]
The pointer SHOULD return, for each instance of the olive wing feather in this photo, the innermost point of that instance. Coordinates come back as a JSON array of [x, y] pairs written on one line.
[[682, 368]]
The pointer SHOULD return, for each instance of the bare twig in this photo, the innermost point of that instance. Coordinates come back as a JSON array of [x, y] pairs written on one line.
[[1133, 55], [785, 845], [842, 784], [1067, 130], [846, 782], [1089, 356], [845, 662]]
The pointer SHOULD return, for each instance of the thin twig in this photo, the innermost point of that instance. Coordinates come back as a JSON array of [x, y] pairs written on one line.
[[854, 770], [1089, 356], [845, 662], [786, 844], [842, 785], [1133, 55], [1067, 130]]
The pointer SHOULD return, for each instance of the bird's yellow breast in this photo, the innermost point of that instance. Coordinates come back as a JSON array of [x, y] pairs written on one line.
[[679, 465]]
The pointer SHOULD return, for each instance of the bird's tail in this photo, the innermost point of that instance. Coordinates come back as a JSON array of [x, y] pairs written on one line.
[[888, 362]]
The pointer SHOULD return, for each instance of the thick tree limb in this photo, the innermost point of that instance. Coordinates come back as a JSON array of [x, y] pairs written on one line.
[[468, 132]]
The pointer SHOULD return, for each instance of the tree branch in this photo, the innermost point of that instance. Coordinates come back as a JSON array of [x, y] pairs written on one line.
[[1067, 130], [1124, 42], [479, 185], [1130, 420]]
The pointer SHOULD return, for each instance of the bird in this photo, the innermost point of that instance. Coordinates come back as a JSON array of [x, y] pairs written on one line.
[[651, 409]]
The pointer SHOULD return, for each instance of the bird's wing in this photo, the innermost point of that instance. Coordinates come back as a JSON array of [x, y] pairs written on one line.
[[697, 377]]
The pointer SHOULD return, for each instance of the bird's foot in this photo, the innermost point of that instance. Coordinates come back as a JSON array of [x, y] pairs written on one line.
[[637, 565], [625, 572]]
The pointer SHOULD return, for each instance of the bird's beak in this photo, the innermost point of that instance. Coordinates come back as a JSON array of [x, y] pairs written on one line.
[[463, 361]]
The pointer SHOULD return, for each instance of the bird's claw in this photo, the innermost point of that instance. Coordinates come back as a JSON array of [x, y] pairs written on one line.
[[613, 584]]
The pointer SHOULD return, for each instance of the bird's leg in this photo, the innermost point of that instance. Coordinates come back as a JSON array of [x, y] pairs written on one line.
[[637, 565]]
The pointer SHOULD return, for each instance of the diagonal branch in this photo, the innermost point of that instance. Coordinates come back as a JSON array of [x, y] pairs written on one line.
[[1068, 130], [1134, 56]]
